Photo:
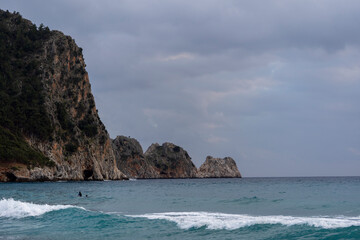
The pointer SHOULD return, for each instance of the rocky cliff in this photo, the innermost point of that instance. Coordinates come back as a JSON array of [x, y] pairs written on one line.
[[219, 168], [49, 127], [131, 160]]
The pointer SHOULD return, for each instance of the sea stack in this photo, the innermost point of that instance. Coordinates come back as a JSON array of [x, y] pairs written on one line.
[[131, 160], [219, 168], [171, 161]]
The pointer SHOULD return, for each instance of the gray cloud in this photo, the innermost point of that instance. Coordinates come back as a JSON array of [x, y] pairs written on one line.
[[273, 84]]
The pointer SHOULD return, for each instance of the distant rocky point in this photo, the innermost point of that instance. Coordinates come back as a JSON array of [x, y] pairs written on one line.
[[167, 161]]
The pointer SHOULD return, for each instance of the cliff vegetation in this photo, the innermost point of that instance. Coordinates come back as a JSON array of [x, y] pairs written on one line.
[[22, 110]]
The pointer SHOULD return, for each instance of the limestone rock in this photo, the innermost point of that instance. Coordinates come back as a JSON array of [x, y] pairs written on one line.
[[219, 168], [171, 161], [78, 146], [130, 158]]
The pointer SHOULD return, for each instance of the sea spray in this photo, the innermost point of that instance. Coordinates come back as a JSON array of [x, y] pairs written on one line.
[[17, 209]]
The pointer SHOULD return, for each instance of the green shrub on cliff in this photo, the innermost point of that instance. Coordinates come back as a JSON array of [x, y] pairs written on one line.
[[88, 126], [22, 110], [64, 118], [13, 148]]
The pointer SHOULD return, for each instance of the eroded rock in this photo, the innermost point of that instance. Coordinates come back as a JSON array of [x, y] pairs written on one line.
[[171, 161], [130, 158], [219, 168]]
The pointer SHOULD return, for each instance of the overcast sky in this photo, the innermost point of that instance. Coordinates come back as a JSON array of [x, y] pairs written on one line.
[[274, 84]]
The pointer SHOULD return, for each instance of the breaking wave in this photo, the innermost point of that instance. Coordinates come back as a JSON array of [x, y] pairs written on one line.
[[187, 220], [11, 208]]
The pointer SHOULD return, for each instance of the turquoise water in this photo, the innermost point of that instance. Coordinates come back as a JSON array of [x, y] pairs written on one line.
[[248, 208]]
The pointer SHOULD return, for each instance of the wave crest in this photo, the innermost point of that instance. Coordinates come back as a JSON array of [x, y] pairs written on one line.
[[16, 209], [186, 220]]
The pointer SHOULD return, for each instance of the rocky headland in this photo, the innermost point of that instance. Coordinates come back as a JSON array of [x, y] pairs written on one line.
[[50, 129]]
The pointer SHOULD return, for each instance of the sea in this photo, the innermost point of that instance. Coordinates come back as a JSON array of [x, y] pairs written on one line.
[[247, 208]]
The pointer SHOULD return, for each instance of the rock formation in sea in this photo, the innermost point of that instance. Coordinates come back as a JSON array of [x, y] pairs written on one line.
[[171, 161], [49, 125], [219, 168], [131, 160], [167, 161]]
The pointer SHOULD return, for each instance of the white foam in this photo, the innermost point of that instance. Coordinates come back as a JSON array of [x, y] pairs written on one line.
[[16, 209], [186, 220]]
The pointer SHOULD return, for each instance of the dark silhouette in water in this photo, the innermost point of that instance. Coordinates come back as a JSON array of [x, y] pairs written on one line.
[[80, 194]]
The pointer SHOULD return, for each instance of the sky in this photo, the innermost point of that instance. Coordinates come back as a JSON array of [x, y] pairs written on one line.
[[273, 84]]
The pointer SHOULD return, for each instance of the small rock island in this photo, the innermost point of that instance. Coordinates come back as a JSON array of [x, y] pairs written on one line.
[[219, 168]]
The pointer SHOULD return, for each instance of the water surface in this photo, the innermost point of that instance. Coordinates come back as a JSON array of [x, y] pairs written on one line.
[[248, 208]]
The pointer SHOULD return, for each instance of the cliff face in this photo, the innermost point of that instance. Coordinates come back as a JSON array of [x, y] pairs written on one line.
[[81, 147], [219, 168], [171, 161], [73, 141], [131, 160]]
